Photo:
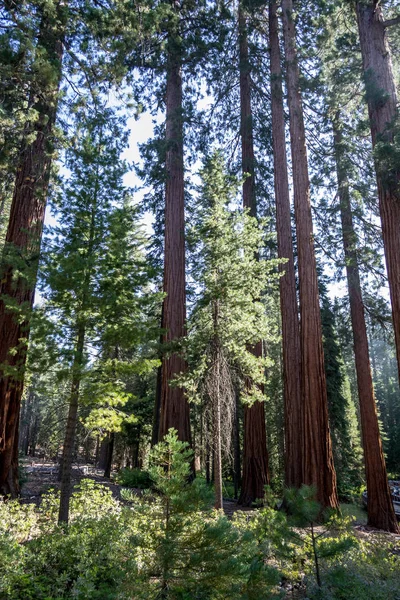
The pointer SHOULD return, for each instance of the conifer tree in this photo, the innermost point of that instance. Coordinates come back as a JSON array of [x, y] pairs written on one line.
[[380, 507], [382, 100], [287, 283], [22, 243], [228, 314], [318, 469], [255, 454], [94, 270], [342, 413]]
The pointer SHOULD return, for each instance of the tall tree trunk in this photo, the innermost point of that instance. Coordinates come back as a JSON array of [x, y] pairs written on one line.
[[255, 453], [236, 446], [287, 283], [81, 323], [383, 112], [70, 431], [174, 411], [157, 401], [101, 464], [380, 507], [110, 452], [318, 469], [217, 446], [22, 245]]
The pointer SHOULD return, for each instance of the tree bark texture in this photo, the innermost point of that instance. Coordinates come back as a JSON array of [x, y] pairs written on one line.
[[382, 108], [22, 246], [255, 456], [217, 414], [287, 283], [318, 469], [174, 411], [110, 452], [70, 431], [255, 453], [380, 507]]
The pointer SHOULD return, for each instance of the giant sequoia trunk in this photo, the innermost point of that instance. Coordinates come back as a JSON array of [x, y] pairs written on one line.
[[174, 408], [21, 252], [287, 283], [255, 453], [317, 459], [380, 508], [382, 108]]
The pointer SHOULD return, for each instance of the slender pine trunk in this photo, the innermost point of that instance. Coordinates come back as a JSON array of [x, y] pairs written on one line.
[[69, 441], [22, 245], [255, 453], [287, 283], [317, 459], [217, 444], [380, 507], [110, 452]]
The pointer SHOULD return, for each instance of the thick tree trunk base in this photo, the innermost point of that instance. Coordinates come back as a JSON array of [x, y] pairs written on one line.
[[255, 458]]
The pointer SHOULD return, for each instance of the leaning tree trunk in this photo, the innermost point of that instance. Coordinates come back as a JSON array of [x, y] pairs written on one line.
[[255, 453], [22, 245], [383, 112], [174, 410], [380, 507], [287, 283], [317, 459]]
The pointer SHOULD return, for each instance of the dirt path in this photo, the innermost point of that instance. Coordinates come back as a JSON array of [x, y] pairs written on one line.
[[42, 476]]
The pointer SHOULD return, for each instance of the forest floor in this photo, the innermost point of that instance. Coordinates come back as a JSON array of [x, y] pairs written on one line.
[[40, 476]]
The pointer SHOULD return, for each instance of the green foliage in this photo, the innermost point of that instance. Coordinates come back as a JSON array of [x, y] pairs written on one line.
[[170, 544], [232, 276], [183, 548], [134, 478], [42, 561], [346, 442]]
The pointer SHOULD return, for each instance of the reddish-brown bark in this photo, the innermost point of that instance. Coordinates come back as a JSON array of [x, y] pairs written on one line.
[[380, 507], [255, 453], [287, 283], [317, 459], [22, 246], [174, 408], [382, 107]]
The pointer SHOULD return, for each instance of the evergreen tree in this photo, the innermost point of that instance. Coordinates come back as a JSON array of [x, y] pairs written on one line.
[[317, 459], [288, 296], [382, 100], [95, 270], [22, 242], [229, 313], [342, 414], [255, 453]]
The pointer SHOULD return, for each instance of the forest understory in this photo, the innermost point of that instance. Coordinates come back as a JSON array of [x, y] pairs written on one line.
[[199, 299]]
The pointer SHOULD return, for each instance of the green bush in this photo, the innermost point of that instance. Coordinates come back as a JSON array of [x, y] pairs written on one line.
[[134, 478], [171, 544]]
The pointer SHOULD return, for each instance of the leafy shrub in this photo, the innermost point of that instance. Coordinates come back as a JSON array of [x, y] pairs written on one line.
[[81, 561], [184, 548], [134, 478], [171, 544]]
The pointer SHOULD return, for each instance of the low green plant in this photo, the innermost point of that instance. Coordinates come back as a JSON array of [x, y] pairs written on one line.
[[41, 561], [184, 548], [133, 478]]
